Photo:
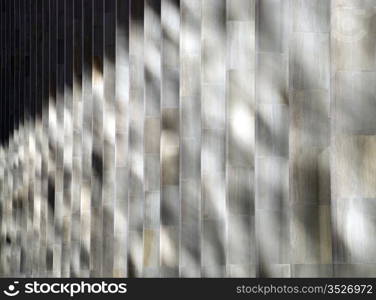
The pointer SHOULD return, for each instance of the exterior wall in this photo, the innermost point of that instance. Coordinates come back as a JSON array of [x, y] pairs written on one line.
[[187, 138]]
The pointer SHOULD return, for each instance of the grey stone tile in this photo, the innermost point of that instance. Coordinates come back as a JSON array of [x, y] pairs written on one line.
[[170, 20], [169, 164], [190, 161], [213, 41], [136, 174], [121, 197], [274, 237], [213, 103], [151, 272], [214, 271], [354, 166], [152, 172], [213, 248], [311, 16], [305, 176], [189, 272], [313, 270], [356, 219], [272, 182], [108, 240], [152, 135], [240, 92], [241, 240], [272, 78], [355, 102], [170, 205], [275, 270], [240, 191], [213, 16], [311, 234], [190, 191], [152, 210], [241, 45], [152, 54], [190, 252], [167, 272], [239, 10], [354, 46], [135, 255], [190, 119], [354, 270], [213, 151], [151, 248], [310, 119], [170, 127], [120, 255], [241, 271], [189, 81], [240, 118], [271, 25], [305, 234], [169, 251], [213, 195], [122, 154], [357, 4], [135, 213], [213, 61], [309, 61], [273, 130], [190, 27], [170, 86], [324, 177]]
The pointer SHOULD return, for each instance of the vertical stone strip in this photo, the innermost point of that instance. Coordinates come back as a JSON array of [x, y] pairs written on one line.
[[38, 137], [25, 258], [97, 151], [32, 142], [59, 159], [16, 141], [11, 169], [68, 140], [109, 132], [2, 100], [240, 138], [87, 140], [170, 140], [5, 225], [12, 229], [353, 140], [122, 149], [28, 145], [52, 133], [309, 84], [272, 139], [190, 142], [12, 147], [8, 165], [213, 162], [77, 139], [3, 152], [23, 189], [152, 134], [44, 138], [136, 139]]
